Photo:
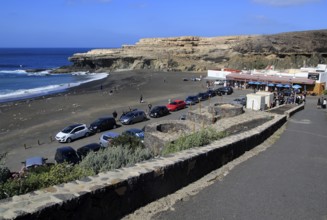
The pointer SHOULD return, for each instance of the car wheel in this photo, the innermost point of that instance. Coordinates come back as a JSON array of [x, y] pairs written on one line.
[[115, 126], [98, 130], [69, 140], [87, 134]]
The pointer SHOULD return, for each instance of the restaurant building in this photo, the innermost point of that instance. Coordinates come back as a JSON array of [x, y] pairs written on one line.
[[311, 80]]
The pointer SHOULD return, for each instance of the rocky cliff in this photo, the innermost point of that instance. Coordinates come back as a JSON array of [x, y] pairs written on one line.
[[285, 50]]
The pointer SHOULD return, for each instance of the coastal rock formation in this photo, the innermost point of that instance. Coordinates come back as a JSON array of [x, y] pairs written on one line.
[[285, 50]]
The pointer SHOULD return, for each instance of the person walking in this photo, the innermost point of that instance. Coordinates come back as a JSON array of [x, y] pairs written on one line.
[[150, 106], [318, 103], [114, 114], [324, 103], [141, 99]]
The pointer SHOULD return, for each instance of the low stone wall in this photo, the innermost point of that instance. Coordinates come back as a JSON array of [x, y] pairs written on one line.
[[292, 111], [111, 195]]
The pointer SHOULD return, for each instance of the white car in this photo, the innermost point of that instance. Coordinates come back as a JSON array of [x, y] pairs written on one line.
[[219, 82], [73, 132]]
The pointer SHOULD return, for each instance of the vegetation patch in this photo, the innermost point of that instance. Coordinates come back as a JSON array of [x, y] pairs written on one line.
[[197, 139], [34, 179]]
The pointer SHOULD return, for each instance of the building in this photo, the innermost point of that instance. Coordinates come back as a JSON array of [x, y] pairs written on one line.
[[311, 80]]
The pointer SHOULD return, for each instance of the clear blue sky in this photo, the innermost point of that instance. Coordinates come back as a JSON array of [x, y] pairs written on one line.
[[112, 23]]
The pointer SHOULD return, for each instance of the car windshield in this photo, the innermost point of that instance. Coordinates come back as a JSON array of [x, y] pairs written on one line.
[[130, 114], [97, 121], [173, 103], [106, 138], [68, 129], [69, 154]]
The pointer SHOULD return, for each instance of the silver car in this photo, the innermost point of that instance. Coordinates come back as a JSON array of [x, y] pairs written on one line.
[[106, 138], [73, 132], [133, 117]]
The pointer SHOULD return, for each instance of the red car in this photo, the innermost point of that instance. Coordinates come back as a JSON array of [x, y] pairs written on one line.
[[176, 105]]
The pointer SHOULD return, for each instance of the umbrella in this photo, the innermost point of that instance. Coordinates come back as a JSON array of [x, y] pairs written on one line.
[[287, 86], [271, 84], [250, 82], [296, 86], [256, 83], [279, 85]]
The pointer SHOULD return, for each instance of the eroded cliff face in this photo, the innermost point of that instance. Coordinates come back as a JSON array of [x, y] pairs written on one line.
[[286, 50]]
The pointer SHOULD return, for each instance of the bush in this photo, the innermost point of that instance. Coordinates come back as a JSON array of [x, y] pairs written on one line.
[[30, 181], [198, 139], [115, 157], [325, 92], [127, 141], [4, 171]]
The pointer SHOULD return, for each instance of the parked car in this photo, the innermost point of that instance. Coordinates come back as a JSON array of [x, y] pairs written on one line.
[[219, 82], [66, 154], [34, 162], [176, 105], [84, 150], [240, 100], [133, 117], [211, 93], [106, 138], [192, 100], [103, 124], [159, 111], [225, 90], [203, 96], [73, 132], [135, 132]]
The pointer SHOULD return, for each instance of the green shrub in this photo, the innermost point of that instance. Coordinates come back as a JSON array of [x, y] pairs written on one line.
[[4, 171], [325, 92], [198, 139], [30, 181], [127, 141], [115, 157]]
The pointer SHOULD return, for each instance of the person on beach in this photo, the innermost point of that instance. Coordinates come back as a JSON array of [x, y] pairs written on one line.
[[141, 99], [150, 106], [324, 103], [114, 114], [318, 103]]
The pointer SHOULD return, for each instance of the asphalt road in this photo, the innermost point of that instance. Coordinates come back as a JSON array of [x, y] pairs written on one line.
[[287, 181]]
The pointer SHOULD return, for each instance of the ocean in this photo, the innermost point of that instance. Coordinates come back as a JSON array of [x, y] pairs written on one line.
[[16, 83]]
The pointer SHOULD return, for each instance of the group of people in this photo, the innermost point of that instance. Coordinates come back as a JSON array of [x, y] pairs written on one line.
[[280, 98], [322, 102]]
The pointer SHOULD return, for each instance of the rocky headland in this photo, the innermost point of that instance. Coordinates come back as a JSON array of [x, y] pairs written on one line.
[[190, 53]]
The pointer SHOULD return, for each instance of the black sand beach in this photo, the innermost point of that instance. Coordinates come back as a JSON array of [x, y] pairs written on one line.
[[28, 127]]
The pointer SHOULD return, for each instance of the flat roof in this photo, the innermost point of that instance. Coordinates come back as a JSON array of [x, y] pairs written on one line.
[[269, 78]]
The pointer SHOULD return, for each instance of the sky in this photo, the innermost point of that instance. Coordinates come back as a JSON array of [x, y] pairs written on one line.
[[113, 23]]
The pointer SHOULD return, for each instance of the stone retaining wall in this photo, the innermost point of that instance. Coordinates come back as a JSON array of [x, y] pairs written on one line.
[[111, 195]]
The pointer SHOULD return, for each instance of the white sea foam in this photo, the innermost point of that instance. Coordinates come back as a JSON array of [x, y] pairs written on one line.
[[36, 92], [13, 71], [41, 73]]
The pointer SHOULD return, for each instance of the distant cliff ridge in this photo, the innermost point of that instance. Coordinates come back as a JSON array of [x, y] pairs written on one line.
[[285, 50]]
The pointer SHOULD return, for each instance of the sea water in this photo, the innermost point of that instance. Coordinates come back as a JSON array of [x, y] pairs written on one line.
[[16, 83]]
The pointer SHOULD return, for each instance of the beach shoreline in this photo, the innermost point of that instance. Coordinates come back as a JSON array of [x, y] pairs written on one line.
[[25, 123]]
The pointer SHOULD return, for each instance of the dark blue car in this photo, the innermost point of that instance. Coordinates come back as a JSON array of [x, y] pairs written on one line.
[[135, 132], [191, 100], [203, 96]]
